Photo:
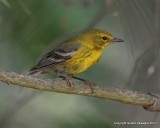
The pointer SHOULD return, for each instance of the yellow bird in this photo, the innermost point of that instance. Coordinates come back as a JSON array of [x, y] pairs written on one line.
[[75, 55]]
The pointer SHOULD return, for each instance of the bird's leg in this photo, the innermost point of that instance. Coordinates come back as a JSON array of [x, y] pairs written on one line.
[[68, 81], [88, 83]]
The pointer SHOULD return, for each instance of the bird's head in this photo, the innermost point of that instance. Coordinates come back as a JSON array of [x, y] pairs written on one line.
[[100, 38]]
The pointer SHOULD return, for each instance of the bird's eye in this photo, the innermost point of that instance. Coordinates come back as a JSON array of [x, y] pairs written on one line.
[[104, 38]]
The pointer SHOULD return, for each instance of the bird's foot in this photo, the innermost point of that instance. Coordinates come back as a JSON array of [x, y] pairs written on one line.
[[87, 83], [68, 81]]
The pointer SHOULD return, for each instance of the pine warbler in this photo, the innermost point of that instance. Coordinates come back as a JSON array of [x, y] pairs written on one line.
[[75, 55]]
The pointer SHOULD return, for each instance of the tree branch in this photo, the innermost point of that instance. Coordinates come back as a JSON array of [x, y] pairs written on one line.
[[148, 101]]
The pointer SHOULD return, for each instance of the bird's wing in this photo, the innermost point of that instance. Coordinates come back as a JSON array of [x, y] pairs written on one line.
[[56, 56]]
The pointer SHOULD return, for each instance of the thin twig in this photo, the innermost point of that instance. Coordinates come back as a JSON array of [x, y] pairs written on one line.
[[103, 12], [18, 105]]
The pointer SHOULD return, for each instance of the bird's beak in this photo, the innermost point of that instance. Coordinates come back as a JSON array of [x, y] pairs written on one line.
[[117, 40]]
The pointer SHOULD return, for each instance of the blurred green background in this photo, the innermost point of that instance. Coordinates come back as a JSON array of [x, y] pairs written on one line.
[[29, 28]]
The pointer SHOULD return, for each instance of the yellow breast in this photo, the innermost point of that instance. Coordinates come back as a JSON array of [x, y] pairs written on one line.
[[82, 60]]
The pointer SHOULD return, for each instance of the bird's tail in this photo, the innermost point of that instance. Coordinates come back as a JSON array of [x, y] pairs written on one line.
[[33, 71]]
